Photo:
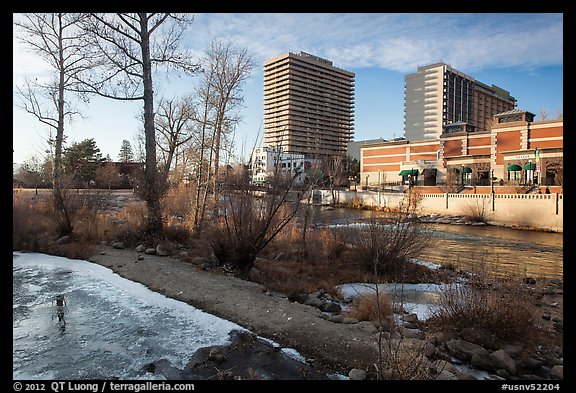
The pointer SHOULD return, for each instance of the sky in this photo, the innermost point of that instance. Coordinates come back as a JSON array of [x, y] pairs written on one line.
[[519, 52]]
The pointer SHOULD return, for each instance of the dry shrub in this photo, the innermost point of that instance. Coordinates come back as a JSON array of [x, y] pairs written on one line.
[[496, 303], [405, 360], [32, 222], [370, 307], [178, 204]]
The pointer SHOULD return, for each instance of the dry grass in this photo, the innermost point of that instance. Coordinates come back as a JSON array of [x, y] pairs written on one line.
[[370, 308], [497, 303]]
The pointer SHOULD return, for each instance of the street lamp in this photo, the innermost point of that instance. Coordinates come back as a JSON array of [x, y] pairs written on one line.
[[379, 184], [492, 178]]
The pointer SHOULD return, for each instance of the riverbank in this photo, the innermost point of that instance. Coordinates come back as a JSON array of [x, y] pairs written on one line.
[[330, 348]]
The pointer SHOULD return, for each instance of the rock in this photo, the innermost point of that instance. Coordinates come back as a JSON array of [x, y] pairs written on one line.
[[140, 258], [514, 350], [162, 250], [150, 251], [357, 375], [254, 274], [559, 326], [206, 266], [140, 248], [298, 297], [331, 307], [477, 336], [411, 333], [501, 359], [463, 376], [118, 245], [529, 280], [483, 361], [201, 260], [437, 366], [349, 321], [335, 318], [557, 372], [313, 301], [503, 373], [410, 318], [529, 363], [446, 376], [367, 326], [464, 350], [413, 346], [64, 240]]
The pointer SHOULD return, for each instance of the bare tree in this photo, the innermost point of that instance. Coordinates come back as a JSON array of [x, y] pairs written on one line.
[[56, 38], [247, 222], [228, 70], [174, 125], [132, 47]]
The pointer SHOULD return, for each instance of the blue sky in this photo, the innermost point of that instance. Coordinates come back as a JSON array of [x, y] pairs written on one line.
[[521, 53]]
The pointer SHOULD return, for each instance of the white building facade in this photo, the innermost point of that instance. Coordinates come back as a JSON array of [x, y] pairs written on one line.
[[266, 161]]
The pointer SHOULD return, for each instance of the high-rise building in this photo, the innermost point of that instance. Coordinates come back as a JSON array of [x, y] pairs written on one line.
[[438, 95], [308, 105]]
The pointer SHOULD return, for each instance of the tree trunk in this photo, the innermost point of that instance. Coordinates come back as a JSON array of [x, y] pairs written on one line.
[[59, 206], [154, 224]]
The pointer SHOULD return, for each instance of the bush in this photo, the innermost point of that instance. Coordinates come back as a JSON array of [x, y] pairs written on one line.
[[496, 304], [366, 307]]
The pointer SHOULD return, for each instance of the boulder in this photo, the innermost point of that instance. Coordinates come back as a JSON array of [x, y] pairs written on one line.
[[118, 245], [313, 301], [367, 326], [483, 361], [162, 250], [64, 240], [331, 307], [335, 318], [557, 372], [477, 336], [140, 248], [349, 321], [357, 375], [464, 350], [501, 359]]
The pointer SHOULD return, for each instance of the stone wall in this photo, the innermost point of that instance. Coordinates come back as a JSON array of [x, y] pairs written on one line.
[[535, 211]]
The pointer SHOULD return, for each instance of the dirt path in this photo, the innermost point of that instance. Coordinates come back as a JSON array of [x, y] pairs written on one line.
[[330, 347]]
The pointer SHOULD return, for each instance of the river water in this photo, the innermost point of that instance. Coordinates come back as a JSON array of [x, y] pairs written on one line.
[[529, 253]]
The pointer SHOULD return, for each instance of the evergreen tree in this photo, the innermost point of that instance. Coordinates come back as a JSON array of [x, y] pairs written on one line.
[[82, 159], [126, 154]]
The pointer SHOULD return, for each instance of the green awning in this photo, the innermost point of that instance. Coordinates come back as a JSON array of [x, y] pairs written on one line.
[[406, 172], [466, 170], [530, 166], [455, 170], [514, 168], [429, 172]]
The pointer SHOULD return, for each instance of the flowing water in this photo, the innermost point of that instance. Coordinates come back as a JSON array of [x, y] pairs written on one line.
[[530, 253]]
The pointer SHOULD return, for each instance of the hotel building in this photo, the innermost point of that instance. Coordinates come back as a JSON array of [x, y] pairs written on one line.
[[308, 106], [516, 150], [438, 95]]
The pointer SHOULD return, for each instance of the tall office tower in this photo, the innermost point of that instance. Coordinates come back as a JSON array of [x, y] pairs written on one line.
[[438, 95], [308, 105]]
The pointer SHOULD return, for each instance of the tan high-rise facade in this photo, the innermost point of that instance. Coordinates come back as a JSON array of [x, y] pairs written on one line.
[[438, 95], [308, 105]]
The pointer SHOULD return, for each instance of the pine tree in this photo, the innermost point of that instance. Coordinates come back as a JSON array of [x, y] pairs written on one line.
[[126, 154]]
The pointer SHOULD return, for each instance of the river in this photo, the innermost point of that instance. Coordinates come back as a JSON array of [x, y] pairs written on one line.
[[529, 253]]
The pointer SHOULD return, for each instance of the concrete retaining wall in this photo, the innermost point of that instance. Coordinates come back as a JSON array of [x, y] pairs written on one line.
[[538, 211]]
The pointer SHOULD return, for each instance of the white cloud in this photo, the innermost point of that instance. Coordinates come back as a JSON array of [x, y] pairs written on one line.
[[398, 42]]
